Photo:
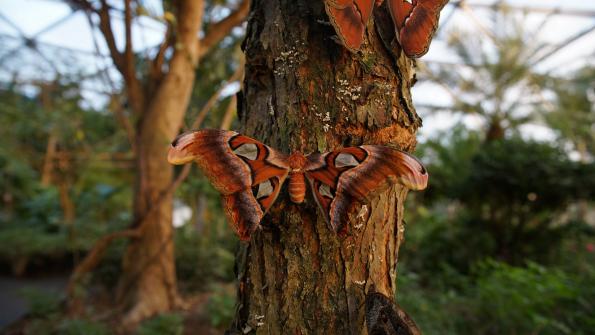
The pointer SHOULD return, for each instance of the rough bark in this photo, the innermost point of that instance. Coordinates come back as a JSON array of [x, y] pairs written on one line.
[[303, 91]]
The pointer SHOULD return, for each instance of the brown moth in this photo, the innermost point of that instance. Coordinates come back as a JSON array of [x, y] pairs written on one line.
[[249, 174]]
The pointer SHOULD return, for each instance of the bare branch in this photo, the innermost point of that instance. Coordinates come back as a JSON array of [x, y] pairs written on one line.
[[157, 63], [467, 10], [124, 61], [229, 113], [128, 55], [562, 45], [133, 85], [116, 107], [105, 26], [237, 75], [217, 31]]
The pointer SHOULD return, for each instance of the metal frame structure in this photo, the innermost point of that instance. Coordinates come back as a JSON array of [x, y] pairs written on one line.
[[106, 84]]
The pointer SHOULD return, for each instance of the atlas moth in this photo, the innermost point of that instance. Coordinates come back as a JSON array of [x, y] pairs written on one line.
[[415, 21], [249, 175]]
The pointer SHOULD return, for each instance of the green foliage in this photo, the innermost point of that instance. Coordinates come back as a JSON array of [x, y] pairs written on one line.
[[56, 324], [221, 306], [450, 157], [501, 299], [42, 304], [205, 246], [201, 260], [46, 316], [495, 248], [163, 324], [32, 221], [573, 115], [521, 300], [28, 241], [498, 82], [496, 196], [82, 327], [531, 176]]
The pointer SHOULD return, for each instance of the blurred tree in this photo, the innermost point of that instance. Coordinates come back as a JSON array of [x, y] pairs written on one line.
[[504, 198], [40, 181], [497, 81], [158, 91], [573, 114]]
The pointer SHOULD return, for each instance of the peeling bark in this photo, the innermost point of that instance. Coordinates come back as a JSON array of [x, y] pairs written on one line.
[[303, 91]]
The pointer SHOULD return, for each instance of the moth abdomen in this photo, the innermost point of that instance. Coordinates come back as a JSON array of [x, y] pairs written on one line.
[[297, 187]]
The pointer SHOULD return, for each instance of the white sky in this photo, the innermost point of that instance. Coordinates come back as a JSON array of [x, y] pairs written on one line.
[[558, 29], [33, 16]]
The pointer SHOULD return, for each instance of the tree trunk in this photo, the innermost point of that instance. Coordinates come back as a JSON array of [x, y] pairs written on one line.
[[305, 92], [148, 284]]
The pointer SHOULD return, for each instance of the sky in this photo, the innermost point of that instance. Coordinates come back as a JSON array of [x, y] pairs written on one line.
[[79, 47]]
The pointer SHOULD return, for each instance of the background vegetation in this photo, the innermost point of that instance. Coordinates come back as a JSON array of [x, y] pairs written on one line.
[[502, 242]]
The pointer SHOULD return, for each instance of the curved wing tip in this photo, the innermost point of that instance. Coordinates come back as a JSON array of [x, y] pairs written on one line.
[[176, 154], [416, 182]]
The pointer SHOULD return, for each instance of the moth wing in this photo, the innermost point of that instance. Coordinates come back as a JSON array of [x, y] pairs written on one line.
[[399, 11], [247, 173], [352, 174], [349, 18], [416, 23]]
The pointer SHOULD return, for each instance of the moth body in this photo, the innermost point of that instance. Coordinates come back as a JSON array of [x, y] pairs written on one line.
[[297, 182], [297, 187]]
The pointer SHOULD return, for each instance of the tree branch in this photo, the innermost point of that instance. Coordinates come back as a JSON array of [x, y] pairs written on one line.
[[157, 63], [96, 253], [237, 75], [217, 31], [105, 26], [128, 55], [229, 112], [123, 61], [116, 107]]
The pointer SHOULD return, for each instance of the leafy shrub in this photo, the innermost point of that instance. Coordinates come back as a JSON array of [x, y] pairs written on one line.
[[201, 260], [40, 326], [497, 298], [164, 324], [221, 306], [82, 327], [28, 241], [519, 300], [41, 303], [506, 199]]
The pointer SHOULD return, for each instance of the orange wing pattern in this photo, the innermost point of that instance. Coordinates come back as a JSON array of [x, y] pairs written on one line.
[[247, 173], [352, 174]]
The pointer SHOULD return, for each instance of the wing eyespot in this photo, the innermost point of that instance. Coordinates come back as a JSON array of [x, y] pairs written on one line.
[[326, 191], [247, 150], [263, 189], [346, 160]]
